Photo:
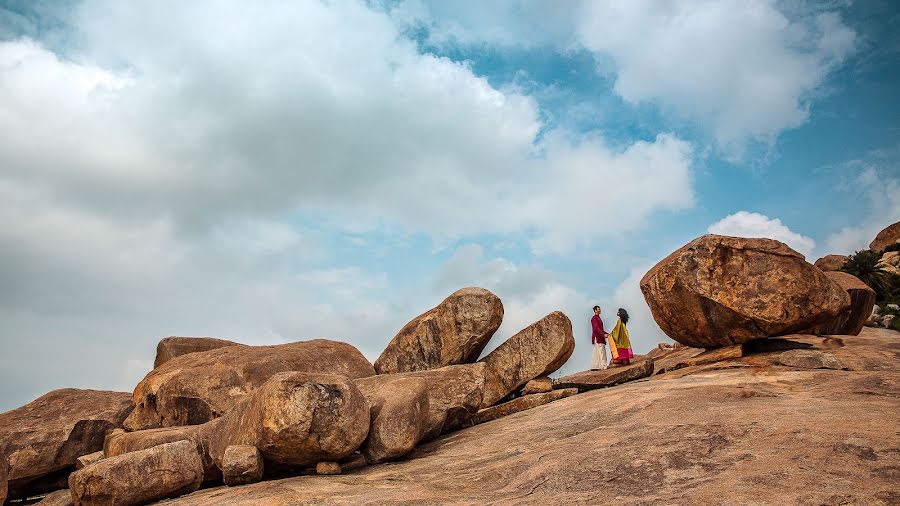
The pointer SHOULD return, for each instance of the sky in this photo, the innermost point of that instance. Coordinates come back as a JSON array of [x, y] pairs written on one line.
[[276, 171]]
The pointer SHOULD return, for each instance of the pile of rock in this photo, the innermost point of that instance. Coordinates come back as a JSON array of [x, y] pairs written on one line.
[[877, 319]]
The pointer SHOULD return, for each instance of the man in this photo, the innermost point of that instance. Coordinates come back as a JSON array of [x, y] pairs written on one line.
[[598, 342]]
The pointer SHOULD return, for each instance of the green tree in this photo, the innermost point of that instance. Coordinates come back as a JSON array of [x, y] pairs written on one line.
[[865, 266]]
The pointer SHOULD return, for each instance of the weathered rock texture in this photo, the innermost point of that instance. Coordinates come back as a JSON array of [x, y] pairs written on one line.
[[831, 262], [91, 458], [58, 498], [538, 385], [242, 464], [590, 380], [886, 237], [167, 470], [295, 419], [809, 359], [718, 291], [43, 438], [4, 472], [328, 468], [523, 403], [175, 346], [454, 394], [399, 417], [851, 320], [120, 442], [198, 387], [537, 350], [453, 332]]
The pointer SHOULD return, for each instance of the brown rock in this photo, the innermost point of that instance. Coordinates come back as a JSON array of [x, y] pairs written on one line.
[[885, 238], [120, 442], [4, 473], [538, 385], [43, 438], [454, 394], [399, 417], [523, 403], [242, 465], [198, 387], [453, 332], [718, 291], [58, 498], [851, 320], [590, 380], [831, 262], [809, 359], [706, 357], [328, 468], [86, 460], [175, 346], [295, 419], [537, 350], [891, 258]]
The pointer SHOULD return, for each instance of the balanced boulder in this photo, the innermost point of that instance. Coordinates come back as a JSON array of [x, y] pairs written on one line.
[[887, 237], [43, 439], [537, 350], [175, 346], [198, 387], [399, 417], [850, 321], [453, 332], [167, 470], [831, 262], [295, 419], [718, 291]]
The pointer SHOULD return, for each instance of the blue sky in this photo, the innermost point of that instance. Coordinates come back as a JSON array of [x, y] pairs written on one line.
[[277, 171]]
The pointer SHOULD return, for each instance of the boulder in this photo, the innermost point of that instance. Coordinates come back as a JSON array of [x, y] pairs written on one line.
[[537, 350], [850, 321], [43, 439], [120, 442], [58, 498], [590, 380], [809, 359], [167, 470], [719, 291], [885, 238], [295, 419], [453, 332], [175, 346], [454, 394], [86, 460], [242, 465], [538, 385], [891, 258], [521, 404], [198, 387], [399, 417], [328, 468], [4, 473], [831, 262]]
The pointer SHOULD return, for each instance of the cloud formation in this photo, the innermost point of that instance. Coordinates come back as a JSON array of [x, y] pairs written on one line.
[[747, 224]]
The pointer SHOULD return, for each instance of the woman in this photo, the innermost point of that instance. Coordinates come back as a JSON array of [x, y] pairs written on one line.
[[619, 344], [598, 342]]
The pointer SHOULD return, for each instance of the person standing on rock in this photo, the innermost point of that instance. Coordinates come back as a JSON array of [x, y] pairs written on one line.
[[598, 342], [619, 344]]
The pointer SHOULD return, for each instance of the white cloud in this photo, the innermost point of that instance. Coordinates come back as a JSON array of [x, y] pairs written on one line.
[[747, 224], [879, 190]]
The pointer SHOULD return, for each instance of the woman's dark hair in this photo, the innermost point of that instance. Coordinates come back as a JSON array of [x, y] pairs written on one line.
[[623, 315], [596, 307]]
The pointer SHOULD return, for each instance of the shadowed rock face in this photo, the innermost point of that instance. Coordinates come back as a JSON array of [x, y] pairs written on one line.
[[718, 291], [175, 346], [537, 350], [886, 237], [453, 332], [47, 435], [198, 387], [851, 320]]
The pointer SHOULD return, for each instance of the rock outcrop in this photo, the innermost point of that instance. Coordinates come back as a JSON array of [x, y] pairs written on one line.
[[295, 419], [4, 474], [91, 458], [809, 359], [167, 470], [58, 498], [718, 291], [453, 332], [538, 386], [523, 403], [176, 346], [888, 236], [590, 380], [399, 417], [851, 320], [831, 262], [198, 387], [43, 439], [537, 350], [120, 442], [242, 465]]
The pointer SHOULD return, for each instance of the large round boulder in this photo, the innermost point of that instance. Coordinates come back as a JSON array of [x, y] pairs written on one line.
[[718, 291], [885, 238], [453, 332], [850, 321], [198, 387], [831, 262]]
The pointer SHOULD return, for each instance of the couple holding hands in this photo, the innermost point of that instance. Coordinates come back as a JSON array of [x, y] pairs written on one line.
[[619, 344]]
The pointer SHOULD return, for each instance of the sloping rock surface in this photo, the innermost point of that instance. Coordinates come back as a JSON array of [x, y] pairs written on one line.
[[453, 332], [760, 434], [48, 434], [202, 386], [718, 291], [589, 380], [176, 346], [888, 236]]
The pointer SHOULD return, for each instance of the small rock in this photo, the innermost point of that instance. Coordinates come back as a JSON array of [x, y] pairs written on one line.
[[895, 307], [887, 320], [538, 386], [175, 346], [86, 460], [831, 262], [891, 258], [58, 498], [328, 468], [241, 465], [167, 470], [809, 359], [521, 404]]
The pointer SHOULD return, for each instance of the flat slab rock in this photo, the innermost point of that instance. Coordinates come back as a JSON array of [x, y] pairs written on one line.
[[590, 380], [523, 403], [810, 359]]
